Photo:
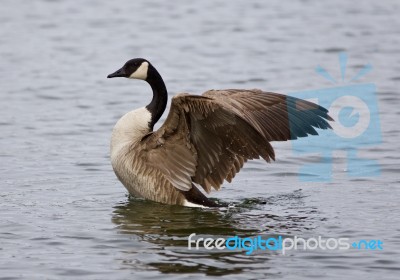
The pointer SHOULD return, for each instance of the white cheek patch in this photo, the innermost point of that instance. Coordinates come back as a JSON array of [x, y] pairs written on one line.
[[141, 72]]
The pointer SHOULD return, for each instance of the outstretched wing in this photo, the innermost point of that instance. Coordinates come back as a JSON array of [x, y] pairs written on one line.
[[278, 117], [207, 139]]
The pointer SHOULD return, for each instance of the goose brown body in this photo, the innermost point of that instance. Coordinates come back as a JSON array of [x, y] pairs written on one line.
[[205, 140]]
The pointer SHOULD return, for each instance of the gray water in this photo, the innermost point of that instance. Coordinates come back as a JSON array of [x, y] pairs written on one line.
[[64, 215]]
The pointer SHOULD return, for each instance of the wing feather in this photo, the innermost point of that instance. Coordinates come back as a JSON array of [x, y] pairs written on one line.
[[207, 139]]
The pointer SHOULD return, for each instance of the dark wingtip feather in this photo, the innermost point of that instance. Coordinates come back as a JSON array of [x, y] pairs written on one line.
[[305, 116]]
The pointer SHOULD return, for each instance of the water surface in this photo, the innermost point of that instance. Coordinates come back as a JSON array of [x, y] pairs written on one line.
[[65, 215]]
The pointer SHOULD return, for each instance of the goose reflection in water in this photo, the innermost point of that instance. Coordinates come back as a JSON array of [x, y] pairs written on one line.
[[167, 228]]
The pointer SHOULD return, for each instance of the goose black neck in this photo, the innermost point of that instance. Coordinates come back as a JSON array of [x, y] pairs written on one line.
[[160, 95]]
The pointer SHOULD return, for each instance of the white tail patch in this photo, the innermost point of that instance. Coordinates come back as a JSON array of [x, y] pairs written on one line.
[[190, 204]]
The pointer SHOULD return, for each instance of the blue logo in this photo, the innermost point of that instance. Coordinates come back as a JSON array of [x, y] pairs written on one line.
[[354, 107], [279, 243], [368, 244]]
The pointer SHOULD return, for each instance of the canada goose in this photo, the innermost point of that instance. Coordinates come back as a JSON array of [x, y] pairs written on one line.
[[205, 139]]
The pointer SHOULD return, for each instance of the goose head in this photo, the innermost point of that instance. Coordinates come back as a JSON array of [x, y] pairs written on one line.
[[140, 68], [136, 68]]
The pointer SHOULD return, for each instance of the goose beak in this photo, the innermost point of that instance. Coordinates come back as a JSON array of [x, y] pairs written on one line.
[[118, 73]]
